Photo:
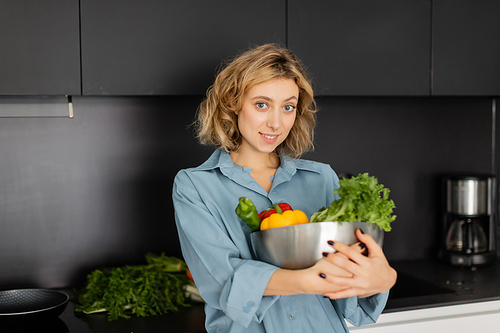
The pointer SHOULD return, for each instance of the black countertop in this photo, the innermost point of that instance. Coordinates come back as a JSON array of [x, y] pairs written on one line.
[[421, 284], [431, 283]]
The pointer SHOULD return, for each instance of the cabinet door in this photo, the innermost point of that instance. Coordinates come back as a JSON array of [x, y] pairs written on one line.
[[39, 47], [363, 47], [158, 47], [466, 47]]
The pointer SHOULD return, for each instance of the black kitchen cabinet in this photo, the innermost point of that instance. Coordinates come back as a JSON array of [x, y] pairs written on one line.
[[466, 47], [157, 47], [363, 47], [39, 47]]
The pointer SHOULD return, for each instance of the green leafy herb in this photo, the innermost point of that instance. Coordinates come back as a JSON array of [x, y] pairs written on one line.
[[362, 199], [143, 290]]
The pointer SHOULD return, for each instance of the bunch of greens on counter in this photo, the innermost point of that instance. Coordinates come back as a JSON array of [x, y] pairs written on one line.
[[362, 199], [144, 290]]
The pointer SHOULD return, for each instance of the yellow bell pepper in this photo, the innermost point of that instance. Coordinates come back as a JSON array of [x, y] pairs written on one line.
[[289, 217]]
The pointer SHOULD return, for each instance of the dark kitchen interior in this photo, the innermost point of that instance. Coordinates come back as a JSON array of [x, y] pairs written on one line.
[[95, 190]]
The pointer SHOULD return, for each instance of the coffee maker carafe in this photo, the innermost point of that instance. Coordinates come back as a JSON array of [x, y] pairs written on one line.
[[468, 237]]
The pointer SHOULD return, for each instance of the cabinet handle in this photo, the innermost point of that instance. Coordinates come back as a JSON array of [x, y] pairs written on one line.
[[70, 106]]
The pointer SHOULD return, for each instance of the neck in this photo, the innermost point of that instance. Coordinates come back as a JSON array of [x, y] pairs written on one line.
[[255, 160]]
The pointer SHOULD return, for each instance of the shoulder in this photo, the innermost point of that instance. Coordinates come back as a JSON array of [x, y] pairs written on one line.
[[213, 162], [319, 171], [305, 164], [314, 166], [186, 179]]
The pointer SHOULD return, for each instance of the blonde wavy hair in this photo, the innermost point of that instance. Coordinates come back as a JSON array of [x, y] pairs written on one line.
[[216, 120]]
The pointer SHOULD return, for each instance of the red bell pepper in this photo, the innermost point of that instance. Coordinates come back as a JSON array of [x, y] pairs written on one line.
[[268, 212]]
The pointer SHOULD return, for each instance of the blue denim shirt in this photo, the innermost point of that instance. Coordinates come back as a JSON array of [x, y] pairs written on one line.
[[216, 246]]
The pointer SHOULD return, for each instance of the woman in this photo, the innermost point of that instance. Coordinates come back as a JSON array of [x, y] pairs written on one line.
[[260, 114]]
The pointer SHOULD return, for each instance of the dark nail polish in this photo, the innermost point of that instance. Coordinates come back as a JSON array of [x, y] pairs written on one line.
[[325, 254], [362, 246], [361, 230], [331, 243], [321, 275]]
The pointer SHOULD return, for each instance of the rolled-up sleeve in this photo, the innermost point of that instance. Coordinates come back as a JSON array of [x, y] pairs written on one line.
[[363, 311], [226, 281], [241, 298]]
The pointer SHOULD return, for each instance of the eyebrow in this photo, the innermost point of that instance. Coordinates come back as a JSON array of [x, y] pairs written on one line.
[[271, 100]]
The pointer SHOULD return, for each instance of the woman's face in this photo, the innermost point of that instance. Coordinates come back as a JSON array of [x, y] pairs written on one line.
[[267, 114]]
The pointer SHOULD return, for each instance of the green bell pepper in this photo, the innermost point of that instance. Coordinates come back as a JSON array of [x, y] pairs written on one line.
[[248, 213]]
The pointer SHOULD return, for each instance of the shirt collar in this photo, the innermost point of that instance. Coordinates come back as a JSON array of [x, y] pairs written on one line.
[[221, 159]]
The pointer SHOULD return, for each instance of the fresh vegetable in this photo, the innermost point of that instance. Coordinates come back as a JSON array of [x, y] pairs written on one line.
[[189, 275], [283, 219], [152, 289], [362, 199], [248, 213], [268, 212]]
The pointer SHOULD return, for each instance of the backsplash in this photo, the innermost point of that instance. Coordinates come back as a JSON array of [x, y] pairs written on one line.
[[95, 190]]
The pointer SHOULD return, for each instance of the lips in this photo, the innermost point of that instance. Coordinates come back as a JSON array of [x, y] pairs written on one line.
[[269, 138]]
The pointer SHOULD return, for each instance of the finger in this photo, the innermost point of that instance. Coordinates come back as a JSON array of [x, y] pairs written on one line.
[[342, 282], [345, 263], [354, 255], [373, 248], [344, 293], [329, 269], [347, 287], [359, 247]]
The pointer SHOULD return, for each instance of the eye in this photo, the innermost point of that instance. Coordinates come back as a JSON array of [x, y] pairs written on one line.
[[289, 108], [261, 105]]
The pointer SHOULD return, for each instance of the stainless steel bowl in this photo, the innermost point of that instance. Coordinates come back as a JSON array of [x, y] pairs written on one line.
[[300, 246]]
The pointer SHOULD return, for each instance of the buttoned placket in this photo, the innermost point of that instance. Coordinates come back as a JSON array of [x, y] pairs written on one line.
[[283, 174]]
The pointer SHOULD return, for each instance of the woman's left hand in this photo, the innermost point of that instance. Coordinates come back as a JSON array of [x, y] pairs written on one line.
[[370, 274]]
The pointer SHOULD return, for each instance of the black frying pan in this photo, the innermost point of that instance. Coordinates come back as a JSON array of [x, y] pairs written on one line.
[[32, 303]]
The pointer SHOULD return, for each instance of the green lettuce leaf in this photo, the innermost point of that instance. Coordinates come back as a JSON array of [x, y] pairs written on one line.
[[362, 199]]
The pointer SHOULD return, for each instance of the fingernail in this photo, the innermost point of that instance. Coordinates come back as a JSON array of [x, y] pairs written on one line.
[[321, 275], [326, 297], [362, 246], [331, 243], [361, 230], [325, 254]]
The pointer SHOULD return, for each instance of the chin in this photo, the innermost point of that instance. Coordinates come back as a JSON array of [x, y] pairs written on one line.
[[269, 150]]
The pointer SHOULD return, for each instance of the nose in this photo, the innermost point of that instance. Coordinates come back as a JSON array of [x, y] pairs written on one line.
[[274, 120]]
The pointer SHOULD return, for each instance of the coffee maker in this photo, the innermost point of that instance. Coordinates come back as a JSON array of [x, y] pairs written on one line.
[[469, 212]]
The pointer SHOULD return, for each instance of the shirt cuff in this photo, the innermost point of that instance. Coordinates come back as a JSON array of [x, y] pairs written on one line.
[[241, 298], [363, 311]]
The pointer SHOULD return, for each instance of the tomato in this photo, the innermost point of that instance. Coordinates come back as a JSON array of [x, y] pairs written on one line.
[[188, 274]]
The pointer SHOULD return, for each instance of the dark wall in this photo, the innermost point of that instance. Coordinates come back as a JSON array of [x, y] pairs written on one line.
[[93, 190], [407, 143], [96, 190]]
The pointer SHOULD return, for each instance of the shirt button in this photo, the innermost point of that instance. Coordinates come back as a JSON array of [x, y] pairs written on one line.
[[291, 317]]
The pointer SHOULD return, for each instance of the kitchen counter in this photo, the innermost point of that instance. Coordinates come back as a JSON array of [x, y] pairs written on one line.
[[421, 284], [431, 283]]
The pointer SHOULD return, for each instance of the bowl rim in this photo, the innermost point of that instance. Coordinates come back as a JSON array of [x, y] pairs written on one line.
[[312, 223]]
